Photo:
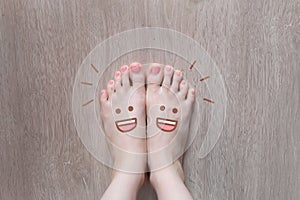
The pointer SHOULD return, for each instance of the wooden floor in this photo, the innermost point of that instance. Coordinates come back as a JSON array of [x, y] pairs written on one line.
[[256, 45]]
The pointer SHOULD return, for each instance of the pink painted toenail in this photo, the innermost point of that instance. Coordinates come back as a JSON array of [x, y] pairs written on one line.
[[183, 82], [178, 72], [102, 91], [124, 68], [155, 70], [193, 91], [111, 82], [135, 68], [168, 67], [117, 74]]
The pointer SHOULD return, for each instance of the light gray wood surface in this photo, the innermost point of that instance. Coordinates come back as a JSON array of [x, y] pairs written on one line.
[[256, 45]]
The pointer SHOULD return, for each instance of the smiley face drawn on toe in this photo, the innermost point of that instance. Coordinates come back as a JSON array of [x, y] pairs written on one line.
[[164, 124], [126, 125]]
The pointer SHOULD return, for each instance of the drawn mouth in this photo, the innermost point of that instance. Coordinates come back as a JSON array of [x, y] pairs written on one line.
[[166, 125], [126, 125]]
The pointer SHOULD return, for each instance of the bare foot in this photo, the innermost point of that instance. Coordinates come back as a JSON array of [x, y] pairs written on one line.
[[169, 103], [123, 118]]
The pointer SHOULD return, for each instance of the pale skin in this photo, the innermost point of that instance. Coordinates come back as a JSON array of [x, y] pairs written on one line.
[[165, 103]]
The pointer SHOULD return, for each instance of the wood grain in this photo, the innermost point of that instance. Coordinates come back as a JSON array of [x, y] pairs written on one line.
[[256, 45]]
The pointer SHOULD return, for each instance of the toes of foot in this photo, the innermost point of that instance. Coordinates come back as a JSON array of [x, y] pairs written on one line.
[[183, 89], [191, 96], [168, 73], [177, 77], [125, 76], [103, 96], [155, 74], [110, 88], [137, 75], [135, 67], [117, 80]]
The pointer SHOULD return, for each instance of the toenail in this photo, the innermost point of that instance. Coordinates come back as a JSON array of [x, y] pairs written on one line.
[[178, 72], [102, 91], [135, 67], [117, 74], [193, 91], [183, 82], [155, 70], [111, 82], [168, 67], [124, 68]]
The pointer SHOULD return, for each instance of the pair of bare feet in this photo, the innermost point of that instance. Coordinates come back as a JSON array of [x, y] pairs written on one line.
[[145, 114]]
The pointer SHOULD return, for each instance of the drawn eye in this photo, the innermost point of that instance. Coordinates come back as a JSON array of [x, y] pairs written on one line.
[[118, 110], [175, 110], [130, 108], [162, 108]]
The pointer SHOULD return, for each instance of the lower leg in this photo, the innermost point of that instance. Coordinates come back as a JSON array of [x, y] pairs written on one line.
[[123, 186]]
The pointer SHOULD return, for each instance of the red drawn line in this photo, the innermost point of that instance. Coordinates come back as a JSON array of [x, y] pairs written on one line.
[[86, 83], [90, 101], [204, 78], [208, 100], [96, 70], [192, 65]]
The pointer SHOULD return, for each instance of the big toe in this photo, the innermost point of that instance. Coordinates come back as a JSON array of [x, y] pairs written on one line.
[[137, 75], [154, 75]]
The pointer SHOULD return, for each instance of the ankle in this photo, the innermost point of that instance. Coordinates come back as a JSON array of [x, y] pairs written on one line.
[[172, 172]]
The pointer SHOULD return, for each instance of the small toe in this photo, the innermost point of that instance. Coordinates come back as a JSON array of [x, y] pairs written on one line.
[[118, 80], [137, 75], [184, 86], [103, 97], [110, 88], [125, 76], [168, 73], [177, 77], [154, 76], [190, 96]]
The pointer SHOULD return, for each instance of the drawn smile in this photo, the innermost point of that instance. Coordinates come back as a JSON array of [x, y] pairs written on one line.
[[126, 125], [166, 125]]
